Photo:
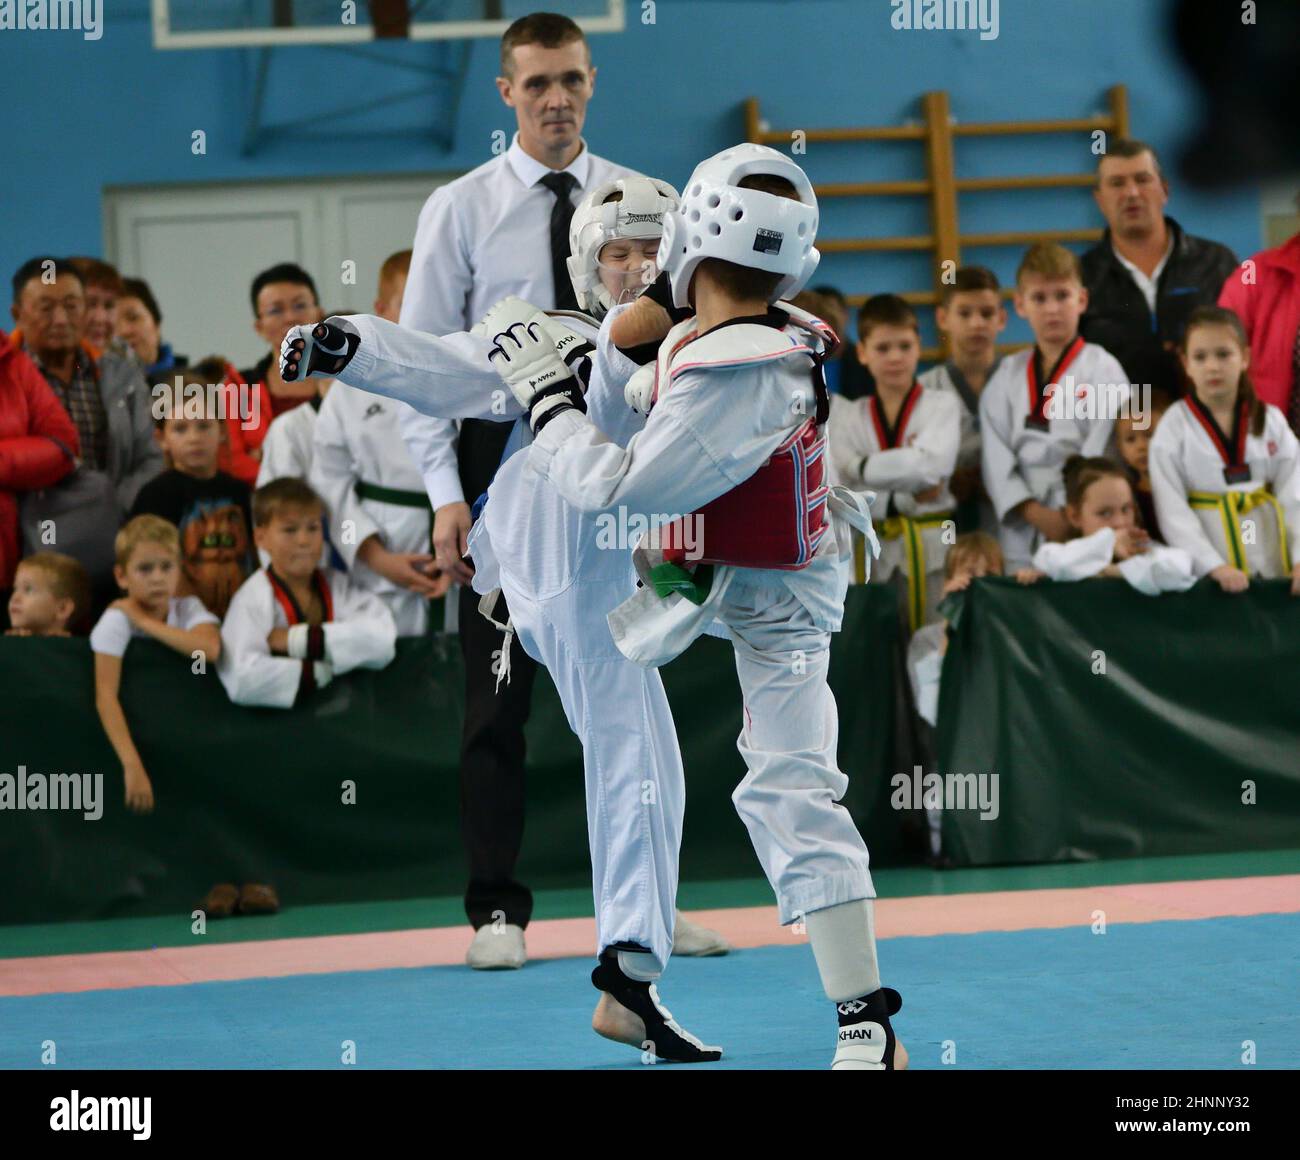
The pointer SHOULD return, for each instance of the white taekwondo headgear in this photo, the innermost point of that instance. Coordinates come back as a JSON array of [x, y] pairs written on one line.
[[718, 219], [638, 214]]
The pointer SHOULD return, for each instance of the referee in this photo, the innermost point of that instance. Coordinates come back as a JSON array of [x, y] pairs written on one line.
[[501, 229]]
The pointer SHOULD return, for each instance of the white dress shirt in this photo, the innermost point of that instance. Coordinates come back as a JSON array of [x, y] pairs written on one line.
[[480, 238], [1148, 286]]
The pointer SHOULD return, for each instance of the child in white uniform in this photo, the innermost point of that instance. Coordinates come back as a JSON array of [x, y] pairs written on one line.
[[1042, 405], [1224, 465], [736, 439], [558, 576], [294, 626], [900, 443], [970, 315]]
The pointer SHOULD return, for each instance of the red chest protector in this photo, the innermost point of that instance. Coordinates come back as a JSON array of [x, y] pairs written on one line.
[[777, 517]]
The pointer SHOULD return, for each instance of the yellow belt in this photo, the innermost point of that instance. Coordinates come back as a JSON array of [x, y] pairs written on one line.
[[910, 528], [1231, 506]]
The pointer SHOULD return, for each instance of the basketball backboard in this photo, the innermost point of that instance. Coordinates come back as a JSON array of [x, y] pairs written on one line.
[[275, 23]]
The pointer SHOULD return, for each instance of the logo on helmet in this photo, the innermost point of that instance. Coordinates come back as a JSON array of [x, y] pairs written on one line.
[[768, 241], [656, 218]]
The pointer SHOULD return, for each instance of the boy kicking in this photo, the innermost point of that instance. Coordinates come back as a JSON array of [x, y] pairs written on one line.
[[735, 437]]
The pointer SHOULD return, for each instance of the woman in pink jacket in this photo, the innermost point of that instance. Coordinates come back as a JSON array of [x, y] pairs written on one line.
[[1265, 294], [38, 446]]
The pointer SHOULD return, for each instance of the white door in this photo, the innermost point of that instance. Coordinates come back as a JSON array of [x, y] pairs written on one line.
[[200, 246]]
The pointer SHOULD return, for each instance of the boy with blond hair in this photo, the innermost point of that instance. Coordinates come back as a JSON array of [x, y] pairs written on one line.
[[148, 570], [294, 626], [51, 594], [1058, 398]]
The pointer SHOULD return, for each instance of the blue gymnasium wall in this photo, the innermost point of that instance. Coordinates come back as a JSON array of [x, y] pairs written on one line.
[[667, 94]]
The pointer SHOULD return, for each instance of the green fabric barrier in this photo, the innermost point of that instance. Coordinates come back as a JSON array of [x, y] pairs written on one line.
[[1199, 694], [257, 794]]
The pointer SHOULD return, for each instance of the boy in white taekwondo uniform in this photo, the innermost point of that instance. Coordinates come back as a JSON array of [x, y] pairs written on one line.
[[736, 439], [293, 626], [560, 573], [379, 513], [1059, 398], [901, 444]]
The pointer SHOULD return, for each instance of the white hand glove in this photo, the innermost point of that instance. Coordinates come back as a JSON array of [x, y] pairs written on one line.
[[640, 388], [524, 354], [318, 351]]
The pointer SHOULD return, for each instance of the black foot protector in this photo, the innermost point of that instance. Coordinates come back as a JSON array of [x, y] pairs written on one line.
[[866, 1039], [663, 1037]]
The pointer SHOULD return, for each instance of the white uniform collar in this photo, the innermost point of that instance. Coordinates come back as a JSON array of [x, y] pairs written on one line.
[[530, 171]]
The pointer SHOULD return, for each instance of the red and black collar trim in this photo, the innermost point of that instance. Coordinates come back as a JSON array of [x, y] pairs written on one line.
[[892, 436]]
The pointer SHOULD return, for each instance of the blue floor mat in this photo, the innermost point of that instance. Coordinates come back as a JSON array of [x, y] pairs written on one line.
[[1148, 995]]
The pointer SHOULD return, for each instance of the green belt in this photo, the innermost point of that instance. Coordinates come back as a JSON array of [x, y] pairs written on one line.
[[394, 495]]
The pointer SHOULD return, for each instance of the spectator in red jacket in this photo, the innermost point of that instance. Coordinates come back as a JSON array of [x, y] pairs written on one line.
[[38, 447], [1265, 294]]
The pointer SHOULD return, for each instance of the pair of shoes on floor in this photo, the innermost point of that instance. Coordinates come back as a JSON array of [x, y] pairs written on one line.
[[225, 899], [691, 940], [497, 948]]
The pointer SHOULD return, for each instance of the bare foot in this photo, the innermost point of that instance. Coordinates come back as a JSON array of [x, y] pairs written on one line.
[[614, 1021]]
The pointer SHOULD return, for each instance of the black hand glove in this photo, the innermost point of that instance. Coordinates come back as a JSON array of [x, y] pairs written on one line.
[[321, 350]]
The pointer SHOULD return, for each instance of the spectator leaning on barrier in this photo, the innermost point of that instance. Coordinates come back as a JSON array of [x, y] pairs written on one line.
[[1146, 275], [148, 571], [1265, 295], [38, 446], [107, 399], [138, 322], [294, 626]]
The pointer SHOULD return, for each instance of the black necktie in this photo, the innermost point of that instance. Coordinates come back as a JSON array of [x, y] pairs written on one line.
[[562, 185]]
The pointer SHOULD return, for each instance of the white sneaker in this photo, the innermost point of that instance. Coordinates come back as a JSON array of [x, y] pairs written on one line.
[[693, 940], [497, 949]]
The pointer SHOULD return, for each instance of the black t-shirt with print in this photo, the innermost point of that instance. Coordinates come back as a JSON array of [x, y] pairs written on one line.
[[215, 524]]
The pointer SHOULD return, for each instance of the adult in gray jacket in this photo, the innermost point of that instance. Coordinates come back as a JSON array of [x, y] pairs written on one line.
[[108, 400]]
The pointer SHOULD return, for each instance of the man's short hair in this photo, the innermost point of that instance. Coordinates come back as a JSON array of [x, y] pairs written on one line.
[[35, 268], [284, 272], [98, 273], [139, 288], [145, 530], [967, 280], [395, 265], [548, 29], [67, 578], [1129, 147], [1049, 260], [288, 491], [885, 310]]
